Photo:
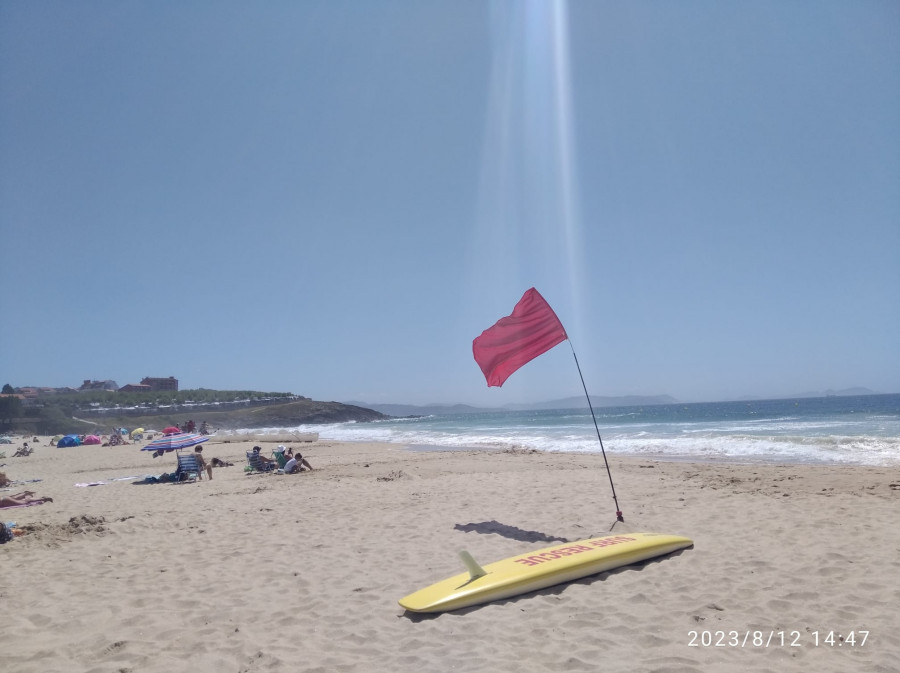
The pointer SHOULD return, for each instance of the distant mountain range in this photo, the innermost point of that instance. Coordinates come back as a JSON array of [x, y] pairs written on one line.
[[402, 410], [577, 402], [845, 392]]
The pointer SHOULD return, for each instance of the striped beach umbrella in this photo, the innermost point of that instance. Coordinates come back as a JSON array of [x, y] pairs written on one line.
[[175, 442]]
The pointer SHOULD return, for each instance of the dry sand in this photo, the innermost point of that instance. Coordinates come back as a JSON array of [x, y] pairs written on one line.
[[303, 572]]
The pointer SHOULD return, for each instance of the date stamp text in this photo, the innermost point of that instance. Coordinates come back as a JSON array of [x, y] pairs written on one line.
[[782, 638]]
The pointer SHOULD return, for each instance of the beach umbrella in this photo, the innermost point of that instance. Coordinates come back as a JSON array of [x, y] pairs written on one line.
[[175, 442], [91, 439], [171, 430]]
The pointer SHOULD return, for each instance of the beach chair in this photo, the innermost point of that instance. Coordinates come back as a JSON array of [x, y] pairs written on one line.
[[188, 468], [257, 464], [280, 459]]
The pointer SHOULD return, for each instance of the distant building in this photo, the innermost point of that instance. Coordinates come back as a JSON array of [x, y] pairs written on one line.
[[170, 383], [32, 392], [134, 388], [99, 385], [29, 400]]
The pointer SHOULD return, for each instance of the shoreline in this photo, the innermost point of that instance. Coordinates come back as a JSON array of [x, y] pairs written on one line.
[[311, 438], [724, 460], [208, 576]]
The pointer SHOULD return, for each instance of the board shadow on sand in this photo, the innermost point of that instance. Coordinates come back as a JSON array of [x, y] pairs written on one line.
[[512, 532]]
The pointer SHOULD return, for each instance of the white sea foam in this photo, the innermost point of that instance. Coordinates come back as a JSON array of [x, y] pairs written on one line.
[[836, 438], [854, 450]]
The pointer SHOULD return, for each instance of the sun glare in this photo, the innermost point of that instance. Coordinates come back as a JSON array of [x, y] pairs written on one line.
[[528, 219]]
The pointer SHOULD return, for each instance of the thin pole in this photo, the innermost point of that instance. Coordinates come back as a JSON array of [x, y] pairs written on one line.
[[619, 516]]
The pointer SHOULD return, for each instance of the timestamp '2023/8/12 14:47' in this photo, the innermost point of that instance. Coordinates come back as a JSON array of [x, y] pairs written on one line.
[[780, 638]]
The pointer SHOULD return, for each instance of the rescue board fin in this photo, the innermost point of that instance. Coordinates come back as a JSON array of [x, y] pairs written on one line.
[[475, 570]]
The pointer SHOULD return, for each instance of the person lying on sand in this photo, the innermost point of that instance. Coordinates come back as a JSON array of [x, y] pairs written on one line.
[[23, 498], [217, 462]]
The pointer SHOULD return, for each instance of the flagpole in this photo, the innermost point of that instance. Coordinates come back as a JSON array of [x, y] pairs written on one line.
[[619, 516]]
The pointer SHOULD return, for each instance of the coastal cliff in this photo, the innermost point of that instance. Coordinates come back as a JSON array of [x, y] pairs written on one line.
[[298, 411]]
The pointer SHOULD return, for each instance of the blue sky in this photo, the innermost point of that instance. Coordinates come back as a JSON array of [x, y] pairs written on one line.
[[334, 198]]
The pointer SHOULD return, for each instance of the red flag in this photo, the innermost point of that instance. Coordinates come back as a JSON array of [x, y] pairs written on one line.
[[531, 329]]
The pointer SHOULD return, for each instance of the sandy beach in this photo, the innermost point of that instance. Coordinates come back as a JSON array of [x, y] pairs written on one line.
[[253, 573]]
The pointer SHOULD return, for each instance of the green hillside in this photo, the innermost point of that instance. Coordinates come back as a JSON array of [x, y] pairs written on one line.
[[100, 411], [285, 415]]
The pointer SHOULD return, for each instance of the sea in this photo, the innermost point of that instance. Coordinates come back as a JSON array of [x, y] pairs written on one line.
[[863, 430]]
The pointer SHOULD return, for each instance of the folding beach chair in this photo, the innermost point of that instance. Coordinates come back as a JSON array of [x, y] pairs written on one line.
[[279, 458], [257, 464], [188, 468]]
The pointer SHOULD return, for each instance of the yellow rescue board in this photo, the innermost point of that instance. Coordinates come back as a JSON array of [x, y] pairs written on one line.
[[540, 569]]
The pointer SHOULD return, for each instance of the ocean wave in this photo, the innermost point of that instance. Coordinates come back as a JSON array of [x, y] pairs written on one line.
[[839, 438]]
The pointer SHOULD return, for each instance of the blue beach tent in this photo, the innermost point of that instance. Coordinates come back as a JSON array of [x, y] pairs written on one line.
[[69, 440]]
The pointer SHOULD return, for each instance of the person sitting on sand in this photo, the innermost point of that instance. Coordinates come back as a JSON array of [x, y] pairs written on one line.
[[198, 454], [23, 498], [297, 463]]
